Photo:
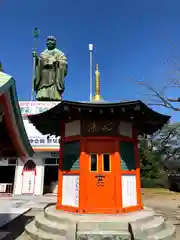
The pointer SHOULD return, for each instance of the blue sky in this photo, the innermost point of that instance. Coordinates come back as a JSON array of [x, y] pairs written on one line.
[[134, 40]]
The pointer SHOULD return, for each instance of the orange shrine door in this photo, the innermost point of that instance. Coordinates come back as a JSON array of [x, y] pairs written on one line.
[[100, 178]]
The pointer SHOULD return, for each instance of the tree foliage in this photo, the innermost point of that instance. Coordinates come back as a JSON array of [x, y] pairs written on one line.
[[168, 142], [159, 98], [164, 144], [150, 161], [160, 151]]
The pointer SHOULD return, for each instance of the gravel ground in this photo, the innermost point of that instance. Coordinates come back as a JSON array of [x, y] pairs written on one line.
[[165, 204]]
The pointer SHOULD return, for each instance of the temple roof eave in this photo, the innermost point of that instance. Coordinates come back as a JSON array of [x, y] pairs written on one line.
[[142, 117], [12, 114]]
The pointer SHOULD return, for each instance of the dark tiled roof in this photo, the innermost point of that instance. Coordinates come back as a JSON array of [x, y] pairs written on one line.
[[144, 118]]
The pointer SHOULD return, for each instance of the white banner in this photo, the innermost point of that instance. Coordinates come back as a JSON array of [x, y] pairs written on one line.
[[70, 190], [35, 107], [129, 191], [44, 141], [28, 182]]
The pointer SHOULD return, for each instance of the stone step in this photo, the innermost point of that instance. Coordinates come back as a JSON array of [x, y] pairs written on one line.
[[148, 216], [60, 225], [61, 216], [103, 235], [168, 233], [23, 236], [52, 215], [50, 226], [101, 226], [37, 234], [153, 226]]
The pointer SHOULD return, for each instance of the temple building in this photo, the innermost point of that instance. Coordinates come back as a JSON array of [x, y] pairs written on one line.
[[20, 141], [99, 151], [40, 144], [46, 149], [14, 144], [45, 157], [84, 152]]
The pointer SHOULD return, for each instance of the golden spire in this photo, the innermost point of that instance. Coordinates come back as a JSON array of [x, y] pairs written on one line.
[[97, 96]]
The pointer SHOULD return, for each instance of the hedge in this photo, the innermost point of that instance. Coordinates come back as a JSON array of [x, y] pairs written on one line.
[[161, 182]]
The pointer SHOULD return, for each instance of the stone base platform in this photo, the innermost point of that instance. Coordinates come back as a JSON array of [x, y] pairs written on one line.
[[53, 224]]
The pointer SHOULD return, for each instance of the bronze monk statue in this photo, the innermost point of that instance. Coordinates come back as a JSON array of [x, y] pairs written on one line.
[[51, 69]]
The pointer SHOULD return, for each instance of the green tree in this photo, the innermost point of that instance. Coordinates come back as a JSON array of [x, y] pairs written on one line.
[[158, 154], [150, 161], [168, 142]]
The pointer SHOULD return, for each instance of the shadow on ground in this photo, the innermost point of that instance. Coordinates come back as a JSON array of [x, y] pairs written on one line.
[[15, 228]]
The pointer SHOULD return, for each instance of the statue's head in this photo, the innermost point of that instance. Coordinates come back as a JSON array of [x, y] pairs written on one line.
[[51, 42]]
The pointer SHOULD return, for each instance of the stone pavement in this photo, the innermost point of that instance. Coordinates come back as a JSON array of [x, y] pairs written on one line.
[[10, 210], [34, 202], [13, 207]]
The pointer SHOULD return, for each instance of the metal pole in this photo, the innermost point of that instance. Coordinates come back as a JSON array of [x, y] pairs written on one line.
[[91, 71], [90, 75], [33, 77], [36, 35]]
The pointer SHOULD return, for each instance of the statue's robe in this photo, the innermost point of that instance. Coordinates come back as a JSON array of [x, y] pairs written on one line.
[[51, 68]]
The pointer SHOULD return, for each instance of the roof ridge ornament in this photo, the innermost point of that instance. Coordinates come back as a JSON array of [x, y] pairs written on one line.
[[97, 96]]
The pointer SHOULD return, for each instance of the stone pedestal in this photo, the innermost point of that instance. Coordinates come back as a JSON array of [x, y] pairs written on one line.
[[59, 225]]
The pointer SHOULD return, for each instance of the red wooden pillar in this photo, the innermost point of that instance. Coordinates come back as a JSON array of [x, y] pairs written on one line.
[[60, 175], [82, 177], [138, 174]]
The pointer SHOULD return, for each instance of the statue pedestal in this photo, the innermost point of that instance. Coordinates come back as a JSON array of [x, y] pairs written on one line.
[[53, 224]]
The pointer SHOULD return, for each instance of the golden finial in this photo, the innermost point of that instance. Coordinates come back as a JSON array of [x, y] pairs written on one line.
[[97, 96]]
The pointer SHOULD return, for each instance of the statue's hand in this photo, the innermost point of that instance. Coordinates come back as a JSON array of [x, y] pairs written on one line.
[[34, 54]]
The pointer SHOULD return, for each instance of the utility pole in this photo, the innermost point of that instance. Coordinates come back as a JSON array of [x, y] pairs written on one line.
[[91, 70]]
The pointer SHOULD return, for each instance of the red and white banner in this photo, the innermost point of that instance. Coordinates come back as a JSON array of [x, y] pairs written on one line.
[[28, 181]]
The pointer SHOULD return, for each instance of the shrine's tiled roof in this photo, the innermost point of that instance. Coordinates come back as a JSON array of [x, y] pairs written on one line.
[[143, 118]]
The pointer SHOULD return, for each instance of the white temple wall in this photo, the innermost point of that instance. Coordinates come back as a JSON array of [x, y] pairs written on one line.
[[18, 178], [39, 177]]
